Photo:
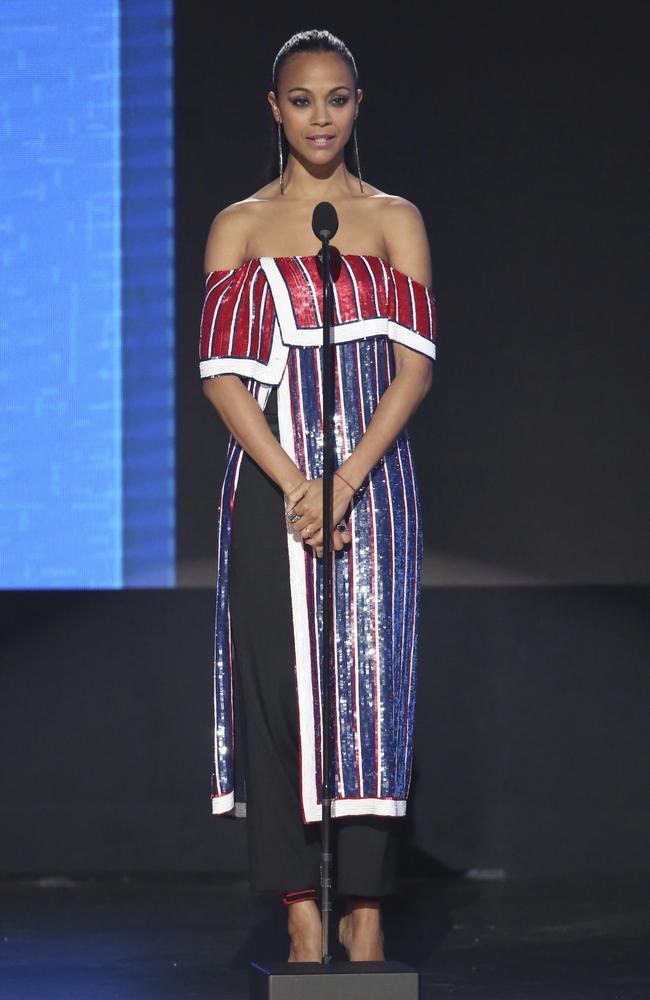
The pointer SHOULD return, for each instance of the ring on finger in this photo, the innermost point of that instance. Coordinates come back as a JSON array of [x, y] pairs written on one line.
[[342, 526], [293, 517]]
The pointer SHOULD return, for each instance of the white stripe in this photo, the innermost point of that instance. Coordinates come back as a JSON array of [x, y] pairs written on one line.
[[223, 804], [270, 373], [414, 314], [357, 807], [412, 643], [291, 334], [384, 270], [341, 333], [406, 565], [406, 336], [301, 625], [314, 590], [394, 281], [340, 807]]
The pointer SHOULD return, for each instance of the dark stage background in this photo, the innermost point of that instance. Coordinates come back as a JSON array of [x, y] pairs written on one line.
[[520, 132]]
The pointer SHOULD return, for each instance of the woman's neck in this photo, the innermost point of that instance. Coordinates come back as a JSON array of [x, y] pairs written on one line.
[[312, 184]]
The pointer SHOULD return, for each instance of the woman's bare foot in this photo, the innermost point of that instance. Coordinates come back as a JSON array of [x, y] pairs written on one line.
[[360, 931], [304, 926]]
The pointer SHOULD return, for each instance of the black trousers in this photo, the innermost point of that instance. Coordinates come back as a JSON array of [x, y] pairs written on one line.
[[284, 852]]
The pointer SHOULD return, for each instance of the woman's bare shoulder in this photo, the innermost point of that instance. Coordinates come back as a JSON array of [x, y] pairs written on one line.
[[228, 236], [396, 210], [405, 236]]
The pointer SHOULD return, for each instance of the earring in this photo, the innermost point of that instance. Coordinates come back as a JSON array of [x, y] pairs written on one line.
[[356, 154], [280, 156]]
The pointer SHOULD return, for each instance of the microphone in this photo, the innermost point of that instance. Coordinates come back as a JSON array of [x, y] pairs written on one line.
[[324, 221]]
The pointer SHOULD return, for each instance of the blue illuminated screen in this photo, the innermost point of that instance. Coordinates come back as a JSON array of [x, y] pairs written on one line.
[[87, 494]]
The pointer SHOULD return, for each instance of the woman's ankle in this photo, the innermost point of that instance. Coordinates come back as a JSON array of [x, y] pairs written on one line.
[[359, 905]]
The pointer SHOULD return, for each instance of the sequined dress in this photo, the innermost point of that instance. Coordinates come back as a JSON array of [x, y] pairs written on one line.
[[262, 321]]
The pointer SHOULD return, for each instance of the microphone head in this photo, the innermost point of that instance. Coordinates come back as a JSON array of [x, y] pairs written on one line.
[[324, 221]]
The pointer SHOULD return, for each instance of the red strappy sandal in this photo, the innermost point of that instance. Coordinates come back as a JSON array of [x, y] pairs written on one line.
[[297, 896]]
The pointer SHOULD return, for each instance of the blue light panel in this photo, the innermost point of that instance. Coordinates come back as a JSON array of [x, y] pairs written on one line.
[[86, 305]]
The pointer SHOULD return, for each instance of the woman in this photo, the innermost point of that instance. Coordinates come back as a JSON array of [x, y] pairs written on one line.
[[260, 362]]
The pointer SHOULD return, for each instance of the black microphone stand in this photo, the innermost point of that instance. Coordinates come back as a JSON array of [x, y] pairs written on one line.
[[326, 857]]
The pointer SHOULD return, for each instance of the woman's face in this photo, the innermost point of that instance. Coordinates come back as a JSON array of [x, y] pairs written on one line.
[[317, 104]]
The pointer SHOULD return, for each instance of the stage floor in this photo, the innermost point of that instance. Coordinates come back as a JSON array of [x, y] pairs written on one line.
[[194, 936]]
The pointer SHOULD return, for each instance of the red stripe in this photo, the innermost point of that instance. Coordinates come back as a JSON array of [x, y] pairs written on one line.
[[208, 314], [370, 493], [233, 322], [364, 287]]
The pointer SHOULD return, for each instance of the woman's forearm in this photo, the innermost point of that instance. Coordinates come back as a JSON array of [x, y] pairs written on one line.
[[244, 418], [397, 404]]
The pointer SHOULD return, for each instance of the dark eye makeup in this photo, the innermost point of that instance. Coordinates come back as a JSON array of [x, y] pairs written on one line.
[[342, 98]]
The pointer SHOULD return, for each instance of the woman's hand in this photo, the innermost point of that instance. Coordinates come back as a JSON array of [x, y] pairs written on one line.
[[306, 499]]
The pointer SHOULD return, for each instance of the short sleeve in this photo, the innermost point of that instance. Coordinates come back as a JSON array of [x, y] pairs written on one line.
[[238, 332], [411, 309]]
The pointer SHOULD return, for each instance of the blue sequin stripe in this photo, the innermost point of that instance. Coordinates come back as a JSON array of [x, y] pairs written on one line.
[[223, 763]]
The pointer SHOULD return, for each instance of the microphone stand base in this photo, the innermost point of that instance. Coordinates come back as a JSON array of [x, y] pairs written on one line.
[[333, 981]]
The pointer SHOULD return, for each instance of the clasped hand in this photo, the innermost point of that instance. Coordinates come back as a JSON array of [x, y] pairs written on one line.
[[306, 499]]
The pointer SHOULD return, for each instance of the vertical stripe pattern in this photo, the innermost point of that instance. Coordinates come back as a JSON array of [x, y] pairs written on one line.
[[376, 578]]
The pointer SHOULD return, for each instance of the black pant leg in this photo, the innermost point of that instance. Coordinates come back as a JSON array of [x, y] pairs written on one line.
[[366, 855], [283, 851]]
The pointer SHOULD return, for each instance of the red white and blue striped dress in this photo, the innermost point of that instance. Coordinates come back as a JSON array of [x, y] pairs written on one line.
[[262, 321]]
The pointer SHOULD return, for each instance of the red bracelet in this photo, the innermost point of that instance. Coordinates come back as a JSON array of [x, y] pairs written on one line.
[[345, 481]]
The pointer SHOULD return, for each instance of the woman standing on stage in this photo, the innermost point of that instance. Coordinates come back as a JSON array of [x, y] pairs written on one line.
[[261, 365]]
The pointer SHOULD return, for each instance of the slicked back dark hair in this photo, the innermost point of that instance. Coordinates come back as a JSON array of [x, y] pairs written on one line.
[[314, 40]]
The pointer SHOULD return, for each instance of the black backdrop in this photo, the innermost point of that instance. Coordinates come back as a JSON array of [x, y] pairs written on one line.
[[520, 132]]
